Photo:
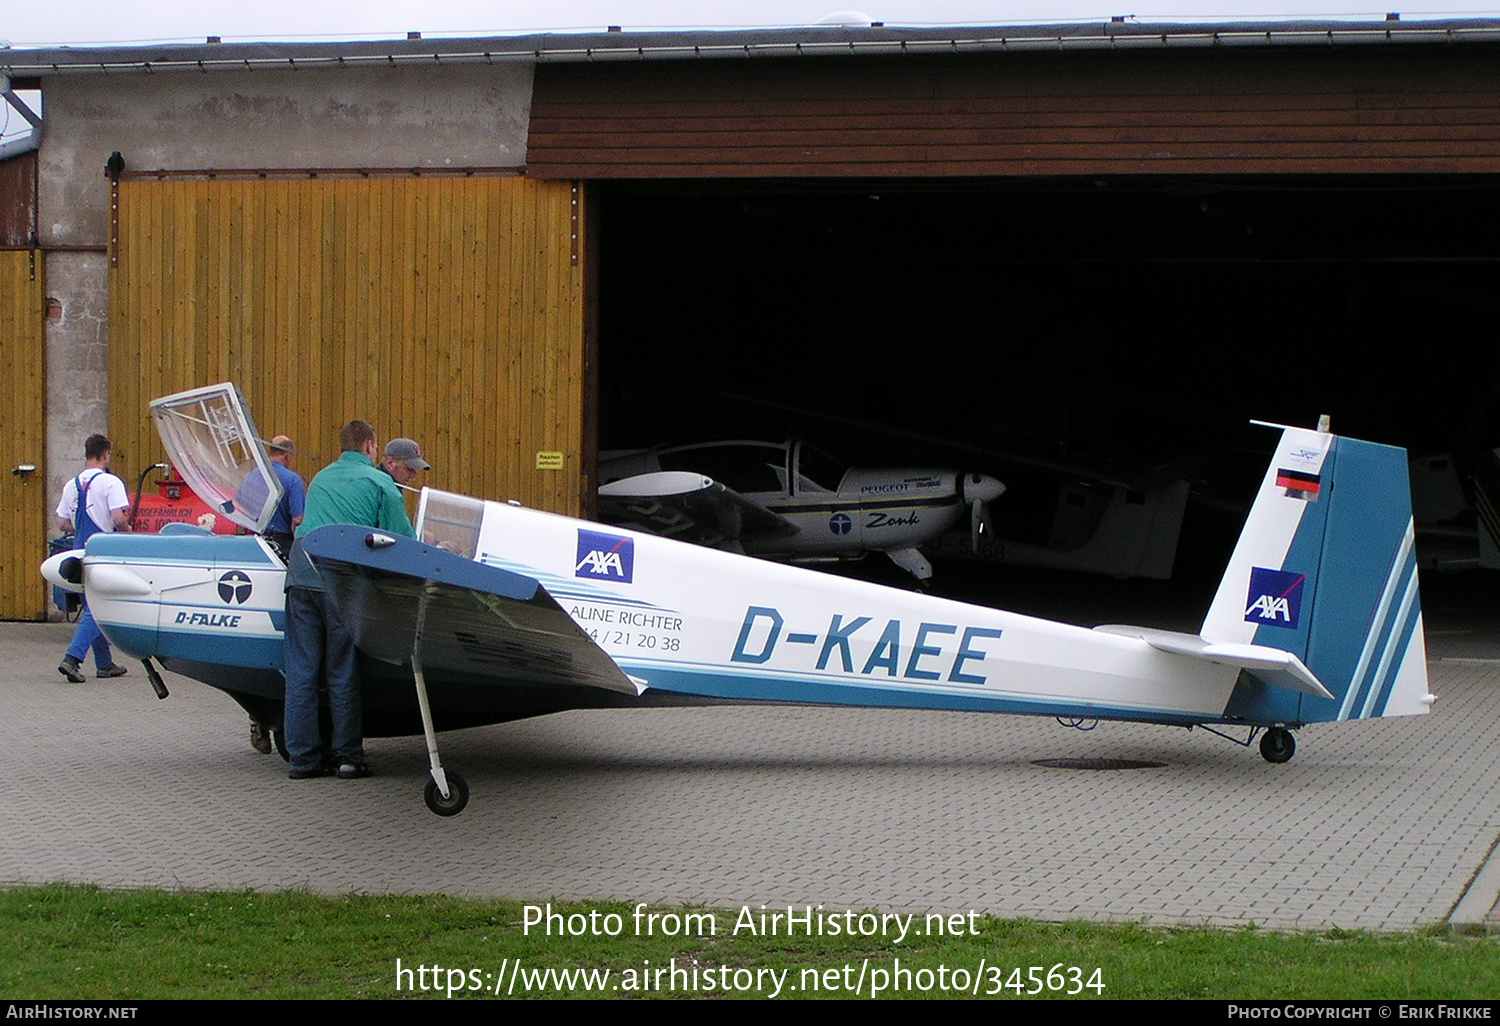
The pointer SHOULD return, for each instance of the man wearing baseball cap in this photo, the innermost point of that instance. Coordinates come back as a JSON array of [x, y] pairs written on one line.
[[403, 458]]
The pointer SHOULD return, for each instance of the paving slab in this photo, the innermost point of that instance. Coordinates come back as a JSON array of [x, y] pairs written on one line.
[[1379, 825]]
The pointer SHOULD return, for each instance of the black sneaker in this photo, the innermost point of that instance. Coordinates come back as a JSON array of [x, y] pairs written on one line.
[[71, 669], [309, 774], [351, 770], [113, 670]]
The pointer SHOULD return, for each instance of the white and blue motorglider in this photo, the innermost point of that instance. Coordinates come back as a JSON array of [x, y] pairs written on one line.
[[501, 612]]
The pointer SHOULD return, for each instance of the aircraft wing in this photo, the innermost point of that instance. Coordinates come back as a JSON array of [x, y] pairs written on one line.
[[688, 507], [482, 621]]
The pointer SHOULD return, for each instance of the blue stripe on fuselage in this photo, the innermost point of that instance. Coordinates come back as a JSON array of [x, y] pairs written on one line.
[[712, 682], [257, 651]]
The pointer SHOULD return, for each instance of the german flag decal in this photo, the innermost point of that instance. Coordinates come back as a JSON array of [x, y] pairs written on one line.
[[1299, 485]]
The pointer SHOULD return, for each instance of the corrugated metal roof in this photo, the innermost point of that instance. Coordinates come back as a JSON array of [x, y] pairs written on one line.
[[810, 41]]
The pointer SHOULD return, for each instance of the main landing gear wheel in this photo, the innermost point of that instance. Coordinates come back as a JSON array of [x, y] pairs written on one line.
[[1277, 745], [458, 796]]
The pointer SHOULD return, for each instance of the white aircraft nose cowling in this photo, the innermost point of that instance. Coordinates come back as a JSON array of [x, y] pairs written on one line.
[[54, 570]]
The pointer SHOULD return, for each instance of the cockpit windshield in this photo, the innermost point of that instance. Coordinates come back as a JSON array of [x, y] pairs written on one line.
[[211, 440]]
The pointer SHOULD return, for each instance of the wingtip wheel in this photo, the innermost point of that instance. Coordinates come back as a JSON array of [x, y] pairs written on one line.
[[446, 793], [454, 802], [1277, 745]]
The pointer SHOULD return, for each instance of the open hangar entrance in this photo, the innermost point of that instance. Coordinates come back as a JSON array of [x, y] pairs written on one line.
[[1100, 254], [1129, 324]]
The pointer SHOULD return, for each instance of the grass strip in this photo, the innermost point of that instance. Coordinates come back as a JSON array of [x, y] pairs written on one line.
[[75, 942]]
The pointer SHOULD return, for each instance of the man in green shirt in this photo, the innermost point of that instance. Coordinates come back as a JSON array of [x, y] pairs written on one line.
[[318, 649]]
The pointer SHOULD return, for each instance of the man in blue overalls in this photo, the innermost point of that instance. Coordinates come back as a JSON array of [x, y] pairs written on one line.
[[94, 502]]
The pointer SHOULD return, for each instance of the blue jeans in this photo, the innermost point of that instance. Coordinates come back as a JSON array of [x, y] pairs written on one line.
[[88, 635], [319, 652]]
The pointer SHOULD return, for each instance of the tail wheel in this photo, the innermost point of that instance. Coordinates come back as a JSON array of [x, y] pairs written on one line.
[[1277, 745]]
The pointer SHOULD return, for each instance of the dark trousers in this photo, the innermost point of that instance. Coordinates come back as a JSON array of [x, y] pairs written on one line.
[[320, 653]]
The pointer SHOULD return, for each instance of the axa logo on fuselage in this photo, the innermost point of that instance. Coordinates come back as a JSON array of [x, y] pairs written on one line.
[[605, 557], [1275, 597], [930, 656]]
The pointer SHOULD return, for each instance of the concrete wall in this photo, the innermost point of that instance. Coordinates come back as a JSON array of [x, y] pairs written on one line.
[[77, 363], [410, 117]]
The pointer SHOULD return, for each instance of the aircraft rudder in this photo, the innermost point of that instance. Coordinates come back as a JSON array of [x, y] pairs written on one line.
[[1367, 643]]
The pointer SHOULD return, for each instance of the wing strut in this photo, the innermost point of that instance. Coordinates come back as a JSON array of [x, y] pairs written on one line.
[[445, 794]]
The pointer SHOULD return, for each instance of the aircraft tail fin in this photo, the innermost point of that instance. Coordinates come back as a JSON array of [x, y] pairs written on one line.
[[1326, 570]]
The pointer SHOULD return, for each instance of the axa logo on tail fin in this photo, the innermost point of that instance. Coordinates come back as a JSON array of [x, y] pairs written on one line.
[[605, 557], [1275, 597]]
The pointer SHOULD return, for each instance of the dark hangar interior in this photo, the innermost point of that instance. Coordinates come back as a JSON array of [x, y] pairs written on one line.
[[1089, 317], [1130, 324]]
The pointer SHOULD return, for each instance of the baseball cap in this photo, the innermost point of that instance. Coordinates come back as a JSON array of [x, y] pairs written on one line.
[[408, 452]]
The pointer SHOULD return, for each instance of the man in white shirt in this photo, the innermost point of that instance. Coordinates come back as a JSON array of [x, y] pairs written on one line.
[[92, 503]]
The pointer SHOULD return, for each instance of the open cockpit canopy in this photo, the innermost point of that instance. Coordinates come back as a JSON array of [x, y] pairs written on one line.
[[211, 440]]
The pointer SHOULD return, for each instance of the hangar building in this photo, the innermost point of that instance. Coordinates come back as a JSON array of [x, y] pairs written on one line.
[[1110, 242]]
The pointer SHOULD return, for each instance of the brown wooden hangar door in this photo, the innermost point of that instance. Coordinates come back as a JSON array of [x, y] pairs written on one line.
[[447, 308], [23, 594]]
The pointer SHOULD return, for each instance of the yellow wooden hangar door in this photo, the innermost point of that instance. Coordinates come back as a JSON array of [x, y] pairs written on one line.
[[23, 593], [448, 308]]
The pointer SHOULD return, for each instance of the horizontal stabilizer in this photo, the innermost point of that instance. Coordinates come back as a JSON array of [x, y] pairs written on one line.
[[1272, 665], [477, 620]]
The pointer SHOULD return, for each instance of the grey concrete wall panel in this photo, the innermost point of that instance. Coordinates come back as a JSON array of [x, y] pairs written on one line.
[[77, 363], [401, 117]]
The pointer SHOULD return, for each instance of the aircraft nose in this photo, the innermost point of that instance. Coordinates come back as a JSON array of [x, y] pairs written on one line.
[[65, 570], [982, 487]]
